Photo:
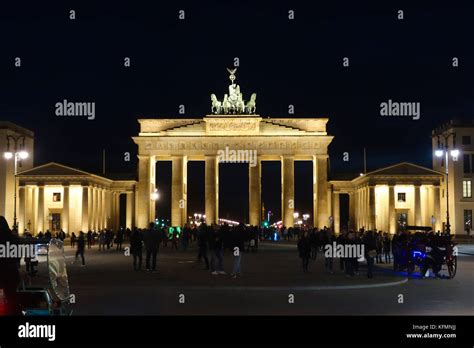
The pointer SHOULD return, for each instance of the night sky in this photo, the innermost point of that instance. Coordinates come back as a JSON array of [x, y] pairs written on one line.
[[284, 61]]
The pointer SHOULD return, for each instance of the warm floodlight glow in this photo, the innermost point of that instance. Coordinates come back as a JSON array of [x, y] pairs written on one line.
[[155, 195], [23, 154]]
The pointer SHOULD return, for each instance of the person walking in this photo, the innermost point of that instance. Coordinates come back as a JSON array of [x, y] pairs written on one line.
[[152, 243], [81, 244], [136, 249], [304, 249]]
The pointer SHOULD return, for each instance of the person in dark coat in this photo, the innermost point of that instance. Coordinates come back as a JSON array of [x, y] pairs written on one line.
[[89, 239], [386, 247], [81, 244], [203, 239], [304, 249], [370, 250], [136, 249], [152, 240], [9, 270], [119, 238]]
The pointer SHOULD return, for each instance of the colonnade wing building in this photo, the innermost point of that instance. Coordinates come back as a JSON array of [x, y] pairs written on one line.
[[57, 197]]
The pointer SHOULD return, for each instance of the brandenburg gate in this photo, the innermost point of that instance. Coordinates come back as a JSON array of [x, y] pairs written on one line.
[[232, 125]]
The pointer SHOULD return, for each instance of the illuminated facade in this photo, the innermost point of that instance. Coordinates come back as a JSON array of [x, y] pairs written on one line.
[[458, 136], [8, 132], [404, 194], [56, 197]]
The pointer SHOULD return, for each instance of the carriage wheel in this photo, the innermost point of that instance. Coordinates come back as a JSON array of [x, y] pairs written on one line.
[[452, 264]]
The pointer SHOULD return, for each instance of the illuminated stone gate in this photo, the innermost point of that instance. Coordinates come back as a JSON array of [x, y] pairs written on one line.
[[235, 126], [182, 140]]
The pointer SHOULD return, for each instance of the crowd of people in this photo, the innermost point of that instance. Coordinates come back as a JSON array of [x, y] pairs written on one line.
[[376, 247]]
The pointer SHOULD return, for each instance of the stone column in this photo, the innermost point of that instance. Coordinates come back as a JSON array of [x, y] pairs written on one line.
[[85, 209], [112, 211], [436, 207], [392, 216], [40, 224], [65, 211], [255, 192], [287, 190], [212, 189], [352, 204], [371, 210], [417, 206], [104, 209], [96, 208], [320, 186], [129, 210], [29, 221], [178, 197], [145, 212], [117, 211], [315, 192], [336, 212], [21, 210]]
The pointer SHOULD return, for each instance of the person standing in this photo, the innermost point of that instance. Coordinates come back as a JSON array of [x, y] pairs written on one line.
[[202, 239], [216, 246], [237, 249], [328, 239], [386, 247], [304, 249], [136, 249], [89, 239], [119, 239], [81, 244], [9, 270], [152, 244], [370, 250], [73, 240]]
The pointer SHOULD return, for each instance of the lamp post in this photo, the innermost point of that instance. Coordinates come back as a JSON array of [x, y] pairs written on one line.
[[17, 154], [443, 150]]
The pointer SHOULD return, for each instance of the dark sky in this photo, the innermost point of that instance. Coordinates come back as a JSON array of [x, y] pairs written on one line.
[[285, 62]]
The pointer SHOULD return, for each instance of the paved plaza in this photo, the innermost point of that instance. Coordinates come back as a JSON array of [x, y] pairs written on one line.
[[107, 285]]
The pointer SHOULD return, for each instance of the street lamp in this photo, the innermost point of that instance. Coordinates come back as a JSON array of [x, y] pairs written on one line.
[[19, 153], [444, 150]]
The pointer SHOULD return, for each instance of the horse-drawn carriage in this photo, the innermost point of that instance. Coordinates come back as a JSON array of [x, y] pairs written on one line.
[[425, 250], [50, 294]]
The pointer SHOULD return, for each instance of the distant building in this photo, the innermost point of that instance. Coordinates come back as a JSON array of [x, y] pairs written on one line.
[[456, 135], [9, 131]]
